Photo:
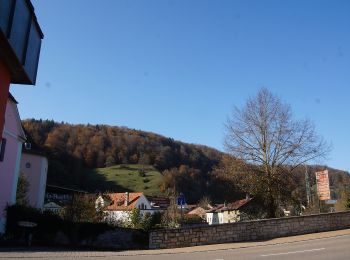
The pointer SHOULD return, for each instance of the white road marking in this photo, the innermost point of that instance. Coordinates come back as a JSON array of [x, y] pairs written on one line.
[[295, 252]]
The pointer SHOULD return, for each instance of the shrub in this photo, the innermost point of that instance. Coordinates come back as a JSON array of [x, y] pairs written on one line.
[[143, 221], [192, 220], [81, 209], [22, 190], [48, 225]]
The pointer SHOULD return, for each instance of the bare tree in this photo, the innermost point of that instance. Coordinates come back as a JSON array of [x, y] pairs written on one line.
[[267, 144]]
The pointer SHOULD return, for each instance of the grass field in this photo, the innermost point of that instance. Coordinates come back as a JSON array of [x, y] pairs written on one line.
[[122, 178]]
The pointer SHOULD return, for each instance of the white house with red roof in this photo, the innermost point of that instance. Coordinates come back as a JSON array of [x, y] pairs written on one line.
[[117, 206], [227, 213]]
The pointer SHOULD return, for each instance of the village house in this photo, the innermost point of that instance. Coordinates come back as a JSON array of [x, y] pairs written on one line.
[[20, 44], [117, 206], [34, 168], [227, 213], [56, 197], [10, 157], [199, 211]]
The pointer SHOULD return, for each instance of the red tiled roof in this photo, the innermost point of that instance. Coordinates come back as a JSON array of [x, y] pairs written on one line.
[[230, 206], [239, 203], [199, 211], [118, 201]]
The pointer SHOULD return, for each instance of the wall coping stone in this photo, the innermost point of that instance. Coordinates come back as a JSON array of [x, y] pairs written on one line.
[[248, 230]]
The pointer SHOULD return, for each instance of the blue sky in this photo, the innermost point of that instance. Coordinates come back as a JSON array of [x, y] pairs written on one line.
[[178, 67]]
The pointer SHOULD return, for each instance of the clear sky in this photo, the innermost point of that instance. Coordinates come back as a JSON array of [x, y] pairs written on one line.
[[177, 67]]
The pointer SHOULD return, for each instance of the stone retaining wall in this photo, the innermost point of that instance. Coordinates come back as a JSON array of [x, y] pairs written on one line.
[[248, 231]]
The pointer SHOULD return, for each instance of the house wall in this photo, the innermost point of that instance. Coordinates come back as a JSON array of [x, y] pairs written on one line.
[[5, 79], [214, 218], [116, 216], [248, 231], [9, 167], [34, 167], [230, 216], [143, 200]]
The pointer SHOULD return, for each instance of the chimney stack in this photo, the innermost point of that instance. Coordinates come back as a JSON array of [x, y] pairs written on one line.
[[126, 202]]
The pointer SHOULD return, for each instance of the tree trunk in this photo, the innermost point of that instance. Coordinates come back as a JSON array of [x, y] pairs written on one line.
[[271, 208]]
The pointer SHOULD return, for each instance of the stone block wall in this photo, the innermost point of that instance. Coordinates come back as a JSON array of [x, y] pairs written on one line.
[[248, 231]]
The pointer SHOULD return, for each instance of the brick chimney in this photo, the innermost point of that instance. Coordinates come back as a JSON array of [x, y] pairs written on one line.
[[126, 202]]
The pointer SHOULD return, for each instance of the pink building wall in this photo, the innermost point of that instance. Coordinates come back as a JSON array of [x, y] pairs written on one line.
[[5, 79], [9, 167], [34, 168]]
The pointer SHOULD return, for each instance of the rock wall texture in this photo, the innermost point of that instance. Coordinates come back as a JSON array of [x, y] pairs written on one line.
[[248, 231]]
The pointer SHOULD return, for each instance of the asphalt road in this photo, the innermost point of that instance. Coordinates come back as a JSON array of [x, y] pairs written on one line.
[[325, 248]]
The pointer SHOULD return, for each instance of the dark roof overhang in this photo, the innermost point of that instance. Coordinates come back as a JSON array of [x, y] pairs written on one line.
[[20, 40]]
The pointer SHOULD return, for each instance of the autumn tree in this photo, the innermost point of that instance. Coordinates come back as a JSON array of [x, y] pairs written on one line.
[[266, 145], [205, 203], [110, 161], [82, 208], [139, 220], [22, 190]]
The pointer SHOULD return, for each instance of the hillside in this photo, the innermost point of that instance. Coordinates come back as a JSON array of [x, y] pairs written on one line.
[[122, 178], [83, 156]]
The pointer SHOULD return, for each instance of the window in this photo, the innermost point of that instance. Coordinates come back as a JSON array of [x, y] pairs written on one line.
[[2, 149]]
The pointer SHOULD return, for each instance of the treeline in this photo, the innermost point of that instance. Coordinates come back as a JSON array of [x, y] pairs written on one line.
[[102, 145], [74, 148], [292, 185]]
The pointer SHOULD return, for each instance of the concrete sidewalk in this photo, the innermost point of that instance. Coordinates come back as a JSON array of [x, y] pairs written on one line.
[[49, 253]]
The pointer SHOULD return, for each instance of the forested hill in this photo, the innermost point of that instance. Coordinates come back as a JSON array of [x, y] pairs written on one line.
[[94, 157], [74, 148], [101, 145]]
